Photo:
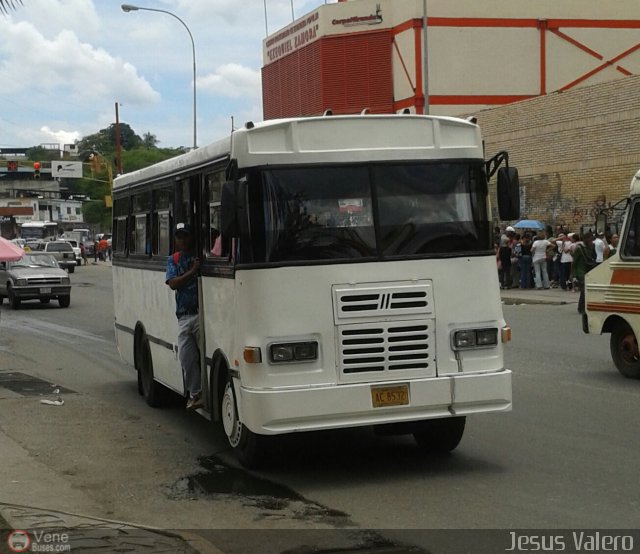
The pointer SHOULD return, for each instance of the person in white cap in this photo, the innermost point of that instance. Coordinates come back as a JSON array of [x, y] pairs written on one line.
[[565, 246], [504, 256], [602, 248], [183, 268]]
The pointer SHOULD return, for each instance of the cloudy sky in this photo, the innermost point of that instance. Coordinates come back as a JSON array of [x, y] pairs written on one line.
[[64, 63]]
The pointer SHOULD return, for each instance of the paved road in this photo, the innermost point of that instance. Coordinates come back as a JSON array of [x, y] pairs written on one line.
[[565, 457]]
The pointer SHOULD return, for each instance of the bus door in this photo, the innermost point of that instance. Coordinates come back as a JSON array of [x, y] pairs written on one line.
[[187, 210]]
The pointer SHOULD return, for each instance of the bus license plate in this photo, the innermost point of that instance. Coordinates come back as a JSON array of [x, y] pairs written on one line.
[[390, 396], [45, 291]]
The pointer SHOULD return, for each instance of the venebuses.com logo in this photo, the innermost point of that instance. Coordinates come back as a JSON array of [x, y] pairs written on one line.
[[18, 541]]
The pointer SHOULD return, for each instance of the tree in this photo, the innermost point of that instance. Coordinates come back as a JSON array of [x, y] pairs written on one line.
[[95, 213], [6, 5], [104, 141], [149, 140], [40, 154]]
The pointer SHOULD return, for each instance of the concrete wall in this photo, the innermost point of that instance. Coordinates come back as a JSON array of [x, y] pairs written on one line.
[[576, 151]]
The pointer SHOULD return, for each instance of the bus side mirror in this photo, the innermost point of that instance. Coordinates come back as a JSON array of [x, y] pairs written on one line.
[[508, 194], [601, 224], [229, 210]]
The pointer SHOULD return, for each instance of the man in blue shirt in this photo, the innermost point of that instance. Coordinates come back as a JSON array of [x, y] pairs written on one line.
[[183, 268]]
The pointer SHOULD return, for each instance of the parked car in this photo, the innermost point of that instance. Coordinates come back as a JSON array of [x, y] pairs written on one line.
[[36, 276], [63, 252]]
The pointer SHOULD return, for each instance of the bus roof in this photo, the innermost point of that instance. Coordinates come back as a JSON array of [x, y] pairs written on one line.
[[330, 139], [39, 224]]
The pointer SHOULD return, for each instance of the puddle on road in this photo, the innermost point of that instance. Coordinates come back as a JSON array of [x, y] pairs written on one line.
[[275, 501], [28, 385]]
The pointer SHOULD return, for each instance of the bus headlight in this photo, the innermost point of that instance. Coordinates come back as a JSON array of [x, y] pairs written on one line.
[[487, 337], [293, 352], [474, 338]]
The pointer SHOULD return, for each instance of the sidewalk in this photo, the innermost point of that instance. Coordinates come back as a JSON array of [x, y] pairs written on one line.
[[35, 487], [555, 297]]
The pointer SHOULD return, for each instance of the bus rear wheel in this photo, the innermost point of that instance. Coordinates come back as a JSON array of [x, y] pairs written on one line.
[[624, 351], [153, 392], [440, 436], [247, 446]]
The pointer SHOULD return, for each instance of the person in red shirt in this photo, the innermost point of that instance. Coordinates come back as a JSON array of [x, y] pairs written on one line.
[[102, 249]]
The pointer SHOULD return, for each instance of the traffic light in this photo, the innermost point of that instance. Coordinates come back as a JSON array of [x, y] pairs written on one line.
[[36, 170]]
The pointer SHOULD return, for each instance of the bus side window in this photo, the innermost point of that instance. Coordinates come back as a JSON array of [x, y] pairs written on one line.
[[141, 223], [632, 240], [120, 213], [162, 234], [121, 235], [215, 245], [131, 228], [161, 224], [182, 212]]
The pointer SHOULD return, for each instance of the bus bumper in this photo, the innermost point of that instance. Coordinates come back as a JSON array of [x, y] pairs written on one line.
[[270, 412]]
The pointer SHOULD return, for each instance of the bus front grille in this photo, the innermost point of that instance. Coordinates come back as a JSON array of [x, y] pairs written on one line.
[[382, 300], [387, 349]]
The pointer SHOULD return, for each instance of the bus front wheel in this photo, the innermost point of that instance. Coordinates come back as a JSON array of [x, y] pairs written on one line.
[[247, 446], [624, 351], [440, 436]]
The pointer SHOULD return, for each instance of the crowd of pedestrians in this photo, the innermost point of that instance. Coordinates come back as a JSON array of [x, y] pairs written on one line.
[[538, 259]]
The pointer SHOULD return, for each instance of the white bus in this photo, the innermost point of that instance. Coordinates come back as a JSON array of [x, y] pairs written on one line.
[[355, 283], [612, 293], [39, 230]]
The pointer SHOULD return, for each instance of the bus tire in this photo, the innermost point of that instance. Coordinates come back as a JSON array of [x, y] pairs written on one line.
[[152, 391], [248, 447], [440, 436], [624, 350]]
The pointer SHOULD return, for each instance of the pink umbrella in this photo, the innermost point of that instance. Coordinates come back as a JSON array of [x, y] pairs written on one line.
[[9, 251]]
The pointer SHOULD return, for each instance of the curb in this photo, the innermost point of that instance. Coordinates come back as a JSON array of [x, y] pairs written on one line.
[[512, 301], [110, 534]]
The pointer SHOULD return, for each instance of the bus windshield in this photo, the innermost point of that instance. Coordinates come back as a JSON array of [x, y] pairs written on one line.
[[367, 211]]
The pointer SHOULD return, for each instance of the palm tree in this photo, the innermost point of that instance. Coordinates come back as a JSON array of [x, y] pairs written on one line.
[[6, 5], [149, 140]]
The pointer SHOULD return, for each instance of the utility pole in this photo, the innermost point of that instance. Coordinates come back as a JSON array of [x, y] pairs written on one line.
[[118, 159]]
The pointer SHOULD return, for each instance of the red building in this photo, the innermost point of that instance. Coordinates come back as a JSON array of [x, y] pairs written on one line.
[[359, 54]]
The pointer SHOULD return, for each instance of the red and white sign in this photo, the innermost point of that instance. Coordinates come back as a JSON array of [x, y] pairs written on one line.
[[291, 38], [351, 205]]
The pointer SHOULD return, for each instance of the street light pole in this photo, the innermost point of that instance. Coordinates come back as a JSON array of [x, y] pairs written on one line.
[[130, 8], [425, 59]]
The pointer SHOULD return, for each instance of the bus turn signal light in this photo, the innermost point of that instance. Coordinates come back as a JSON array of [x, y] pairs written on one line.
[[506, 334], [252, 355]]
